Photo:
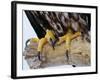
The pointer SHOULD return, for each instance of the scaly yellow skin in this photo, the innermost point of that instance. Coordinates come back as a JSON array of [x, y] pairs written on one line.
[[43, 41], [68, 37], [34, 40]]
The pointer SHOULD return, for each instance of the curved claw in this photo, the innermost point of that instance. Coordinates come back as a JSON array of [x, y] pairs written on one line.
[[27, 42], [67, 55], [40, 57]]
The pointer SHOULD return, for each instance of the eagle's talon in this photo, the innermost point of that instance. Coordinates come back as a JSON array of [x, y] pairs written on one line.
[[27, 42], [39, 56], [67, 55]]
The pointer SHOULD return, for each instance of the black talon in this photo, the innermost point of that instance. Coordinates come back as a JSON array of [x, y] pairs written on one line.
[[27, 42], [39, 56], [67, 55]]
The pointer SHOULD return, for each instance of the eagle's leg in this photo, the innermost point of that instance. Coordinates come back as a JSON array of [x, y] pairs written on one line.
[[40, 47], [50, 38]]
